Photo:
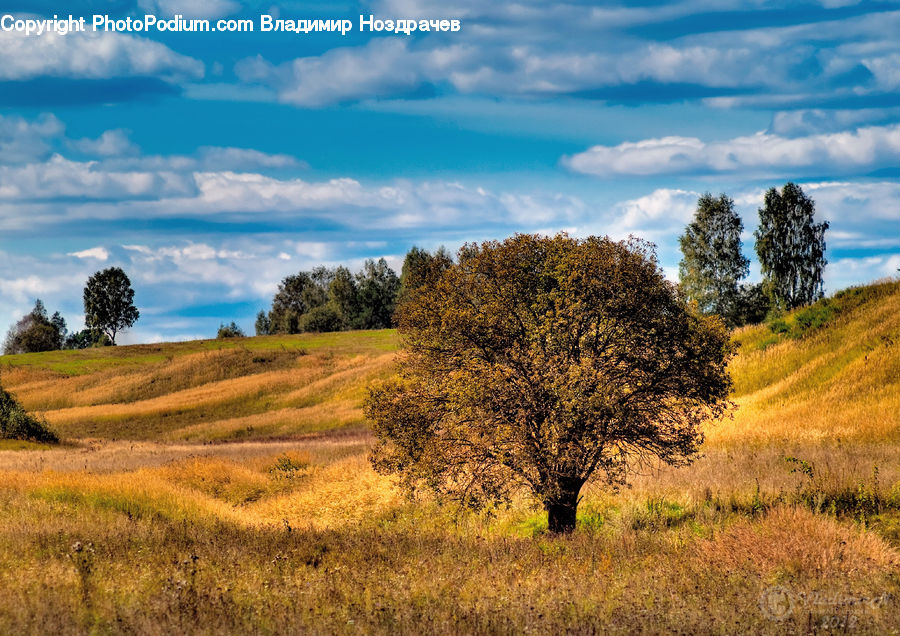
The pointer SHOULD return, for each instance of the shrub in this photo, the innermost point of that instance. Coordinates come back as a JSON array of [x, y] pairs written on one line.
[[230, 331], [87, 338], [321, 319], [15, 423]]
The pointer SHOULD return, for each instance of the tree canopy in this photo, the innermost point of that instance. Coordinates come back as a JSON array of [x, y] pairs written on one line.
[[36, 332], [333, 300], [109, 303], [541, 363], [712, 265], [791, 248], [421, 267]]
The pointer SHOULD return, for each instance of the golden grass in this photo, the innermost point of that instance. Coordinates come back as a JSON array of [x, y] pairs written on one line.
[[323, 544], [290, 530], [797, 542], [839, 382], [251, 391]]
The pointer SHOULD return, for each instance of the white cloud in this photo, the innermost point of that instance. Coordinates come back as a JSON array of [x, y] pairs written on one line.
[[846, 272], [860, 149], [218, 158], [803, 122], [382, 67], [111, 143], [62, 178], [312, 250], [96, 253], [91, 56], [659, 216], [506, 49], [22, 140], [857, 202], [659, 209], [206, 159]]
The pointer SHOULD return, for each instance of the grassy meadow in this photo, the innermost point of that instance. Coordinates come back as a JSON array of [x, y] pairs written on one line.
[[223, 486]]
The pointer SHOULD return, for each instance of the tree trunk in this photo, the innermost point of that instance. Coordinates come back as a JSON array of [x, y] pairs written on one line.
[[561, 509]]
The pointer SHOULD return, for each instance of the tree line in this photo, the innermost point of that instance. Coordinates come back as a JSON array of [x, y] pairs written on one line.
[[335, 299], [789, 244], [108, 309]]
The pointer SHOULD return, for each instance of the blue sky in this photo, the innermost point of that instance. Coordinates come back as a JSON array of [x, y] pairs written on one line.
[[209, 166]]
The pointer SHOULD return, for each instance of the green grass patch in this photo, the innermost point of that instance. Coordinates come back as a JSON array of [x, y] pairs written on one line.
[[87, 361]]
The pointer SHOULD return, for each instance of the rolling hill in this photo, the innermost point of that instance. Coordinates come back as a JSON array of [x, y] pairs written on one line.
[[790, 522], [824, 372], [241, 388]]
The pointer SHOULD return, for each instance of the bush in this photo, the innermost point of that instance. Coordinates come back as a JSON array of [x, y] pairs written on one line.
[[36, 332], [321, 319], [87, 338], [779, 326], [814, 317], [230, 331], [15, 423], [751, 306]]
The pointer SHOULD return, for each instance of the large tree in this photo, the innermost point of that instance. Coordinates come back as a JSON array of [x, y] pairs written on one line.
[[791, 247], [712, 265], [541, 363], [109, 303]]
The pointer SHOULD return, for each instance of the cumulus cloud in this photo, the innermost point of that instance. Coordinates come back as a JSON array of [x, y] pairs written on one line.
[[61, 178], [848, 152], [659, 210], [659, 216], [91, 55]]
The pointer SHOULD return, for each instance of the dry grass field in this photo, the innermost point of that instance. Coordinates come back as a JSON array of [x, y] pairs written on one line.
[[212, 390], [223, 486]]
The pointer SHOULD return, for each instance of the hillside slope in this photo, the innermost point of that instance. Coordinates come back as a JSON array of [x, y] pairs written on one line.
[[829, 372], [796, 498], [240, 388]]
